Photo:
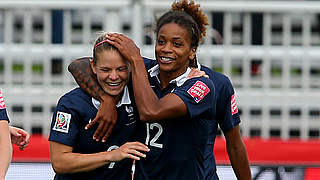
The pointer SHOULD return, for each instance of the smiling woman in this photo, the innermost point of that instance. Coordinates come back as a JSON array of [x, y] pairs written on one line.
[[72, 145], [111, 69]]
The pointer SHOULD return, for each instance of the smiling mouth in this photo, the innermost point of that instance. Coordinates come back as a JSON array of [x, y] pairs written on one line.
[[113, 84], [166, 59]]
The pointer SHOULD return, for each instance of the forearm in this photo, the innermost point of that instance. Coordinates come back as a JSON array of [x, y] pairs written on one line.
[[238, 154], [147, 102], [86, 79], [65, 161], [5, 151], [240, 164], [79, 162]]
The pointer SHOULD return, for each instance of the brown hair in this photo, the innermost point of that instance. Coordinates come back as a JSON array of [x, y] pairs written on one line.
[[100, 45]]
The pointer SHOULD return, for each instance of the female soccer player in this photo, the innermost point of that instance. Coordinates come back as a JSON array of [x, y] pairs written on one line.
[[73, 152], [8, 135]]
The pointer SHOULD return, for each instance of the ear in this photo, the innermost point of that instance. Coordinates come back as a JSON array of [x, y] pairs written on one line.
[[192, 54], [93, 66]]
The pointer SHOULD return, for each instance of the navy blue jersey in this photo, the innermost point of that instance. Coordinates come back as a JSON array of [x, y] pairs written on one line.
[[178, 146], [73, 112], [226, 114], [3, 111]]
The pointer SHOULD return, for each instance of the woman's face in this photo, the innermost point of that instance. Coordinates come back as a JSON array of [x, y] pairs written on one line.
[[112, 72], [173, 49]]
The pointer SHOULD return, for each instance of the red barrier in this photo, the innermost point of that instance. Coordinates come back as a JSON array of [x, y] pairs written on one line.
[[312, 173], [260, 152], [37, 151], [275, 151]]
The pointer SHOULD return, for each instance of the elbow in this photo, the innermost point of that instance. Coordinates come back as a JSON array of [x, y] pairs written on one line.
[[59, 167], [70, 67], [148, 116], [144, 118]]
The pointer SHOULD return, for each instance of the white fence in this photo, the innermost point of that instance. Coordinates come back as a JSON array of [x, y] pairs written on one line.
[[270, 50]]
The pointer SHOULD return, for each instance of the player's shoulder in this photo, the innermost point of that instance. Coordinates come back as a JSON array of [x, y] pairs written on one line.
[[217, 78], [201, 82], [149, 62], [75, 96]]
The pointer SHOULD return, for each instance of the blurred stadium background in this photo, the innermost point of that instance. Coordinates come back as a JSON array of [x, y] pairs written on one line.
[[269, 49]]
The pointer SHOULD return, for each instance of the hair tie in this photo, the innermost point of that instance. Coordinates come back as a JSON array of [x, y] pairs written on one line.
[[106, 40]]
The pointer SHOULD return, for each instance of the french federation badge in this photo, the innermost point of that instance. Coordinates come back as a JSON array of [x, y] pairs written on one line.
[[198, 91], [62, 122]]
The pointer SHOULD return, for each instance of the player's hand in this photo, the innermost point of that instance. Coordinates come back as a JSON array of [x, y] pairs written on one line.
[[19, 137], [126, 46], [132, 150], [196, 73], [107, 118]]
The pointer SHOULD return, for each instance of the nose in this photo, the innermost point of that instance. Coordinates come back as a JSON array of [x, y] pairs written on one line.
[[167, 48], [113, 75]]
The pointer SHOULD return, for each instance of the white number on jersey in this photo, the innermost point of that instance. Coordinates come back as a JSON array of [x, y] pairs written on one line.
[[154, 126]]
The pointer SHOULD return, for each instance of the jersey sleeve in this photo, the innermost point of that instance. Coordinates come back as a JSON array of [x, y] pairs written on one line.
[[3, 115], [64, 124], [227, 111], [3, 110], [198, 94]]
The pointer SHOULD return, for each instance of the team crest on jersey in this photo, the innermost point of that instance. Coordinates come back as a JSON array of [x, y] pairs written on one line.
[[234, 108], [62, 122], [2, 104], [198, 91], [130, 112]]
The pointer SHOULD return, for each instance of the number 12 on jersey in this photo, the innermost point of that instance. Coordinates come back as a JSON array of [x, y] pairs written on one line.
[[156, 128]]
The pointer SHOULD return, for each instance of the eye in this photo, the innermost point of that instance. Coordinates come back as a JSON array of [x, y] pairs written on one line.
[[177, 44], [160, 42], [122, 69], [104, 70]]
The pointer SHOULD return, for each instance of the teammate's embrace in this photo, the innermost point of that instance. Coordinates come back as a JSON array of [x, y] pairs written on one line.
[[73, 152], [182, 115]]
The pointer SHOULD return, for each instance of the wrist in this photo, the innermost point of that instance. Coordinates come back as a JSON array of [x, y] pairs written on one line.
[[107, 98], [137, 64], [107, 157]]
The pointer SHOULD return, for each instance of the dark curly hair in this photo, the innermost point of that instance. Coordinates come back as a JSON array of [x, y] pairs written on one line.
[[189, 16]]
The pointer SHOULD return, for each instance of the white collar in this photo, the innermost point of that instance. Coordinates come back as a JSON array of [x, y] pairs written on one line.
[[124, 100], [155, 70]]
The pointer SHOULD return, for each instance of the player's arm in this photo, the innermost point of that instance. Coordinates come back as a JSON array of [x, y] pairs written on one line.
[[5, 148], [238, 154], [64, 161], [151, 108], [107, 113]]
